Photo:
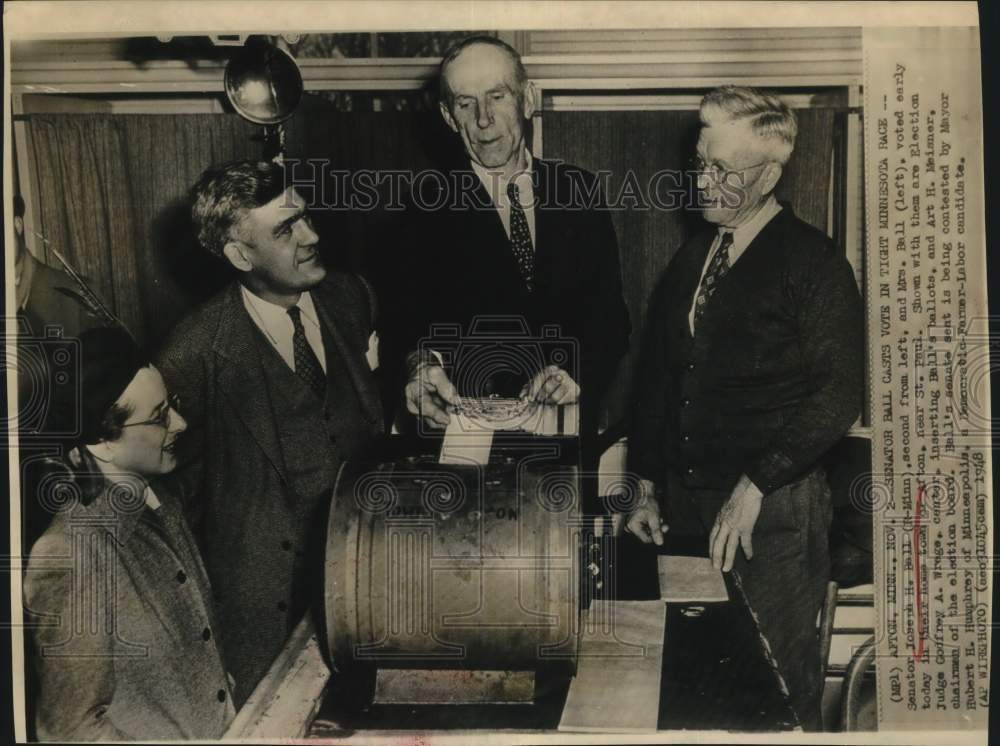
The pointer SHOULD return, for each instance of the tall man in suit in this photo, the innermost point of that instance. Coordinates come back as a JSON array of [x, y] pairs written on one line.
[[37, 287], [503, 234], [274, 383], [50, 321], [752, 369]]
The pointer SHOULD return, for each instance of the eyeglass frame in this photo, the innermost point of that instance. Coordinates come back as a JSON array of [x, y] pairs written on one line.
[[710, 169], [163, 419]]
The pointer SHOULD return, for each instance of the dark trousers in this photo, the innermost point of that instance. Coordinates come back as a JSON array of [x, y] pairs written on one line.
[[785, 582]]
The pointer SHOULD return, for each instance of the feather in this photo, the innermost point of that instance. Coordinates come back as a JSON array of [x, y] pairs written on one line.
[[88, 305], [85, 297]]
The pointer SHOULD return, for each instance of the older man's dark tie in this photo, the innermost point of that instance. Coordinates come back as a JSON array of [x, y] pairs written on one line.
[[717, 269], [520, 236], [307, 365]]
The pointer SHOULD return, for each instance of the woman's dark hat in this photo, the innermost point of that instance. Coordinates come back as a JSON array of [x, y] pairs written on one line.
[[109, 359]]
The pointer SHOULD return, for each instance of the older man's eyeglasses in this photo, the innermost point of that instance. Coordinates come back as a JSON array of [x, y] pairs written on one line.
[[163, 418], [720, 172]]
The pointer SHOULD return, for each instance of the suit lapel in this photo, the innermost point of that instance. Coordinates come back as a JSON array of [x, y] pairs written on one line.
[[169, 525], [356, 365], [486, 215], [482, 228], [548, 222], [242, 379]]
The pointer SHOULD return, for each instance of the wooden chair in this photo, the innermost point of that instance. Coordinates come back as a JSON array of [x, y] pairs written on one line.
[[851, 702], [826, 615]]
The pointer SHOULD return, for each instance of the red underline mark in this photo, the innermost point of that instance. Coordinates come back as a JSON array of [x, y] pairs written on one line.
[[919, 652]]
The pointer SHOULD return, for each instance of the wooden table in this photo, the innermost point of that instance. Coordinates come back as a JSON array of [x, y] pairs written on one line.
[[716, 674]]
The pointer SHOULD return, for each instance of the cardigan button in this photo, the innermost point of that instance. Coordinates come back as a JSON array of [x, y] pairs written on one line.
[[286, 545], [690, 471], [221, 694], [685, 402], [206, 635], [181, 576], [690, 366], [282, 606], [685, 438]]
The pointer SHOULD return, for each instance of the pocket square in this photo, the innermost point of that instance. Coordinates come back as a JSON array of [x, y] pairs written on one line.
[[371, 354]]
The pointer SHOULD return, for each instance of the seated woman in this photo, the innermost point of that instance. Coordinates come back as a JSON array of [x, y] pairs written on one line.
[[123, 630]]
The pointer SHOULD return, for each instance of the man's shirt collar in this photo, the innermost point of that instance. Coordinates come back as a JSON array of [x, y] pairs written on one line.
[[274, 316], [744, 234], [496, 185]]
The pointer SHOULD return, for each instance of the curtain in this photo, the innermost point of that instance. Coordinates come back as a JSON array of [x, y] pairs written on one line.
[[165, 155], [113, 194], [631, 147], [85, 207]]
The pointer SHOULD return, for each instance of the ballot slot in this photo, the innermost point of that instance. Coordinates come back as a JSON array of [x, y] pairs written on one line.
[[468, 438]]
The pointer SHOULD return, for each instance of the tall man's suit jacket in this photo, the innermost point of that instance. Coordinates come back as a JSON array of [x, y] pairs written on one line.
[[249, 450], [129, 649], [453, 262]]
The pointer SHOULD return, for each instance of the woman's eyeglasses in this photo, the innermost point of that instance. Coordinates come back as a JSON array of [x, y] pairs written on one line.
[[163, 418]]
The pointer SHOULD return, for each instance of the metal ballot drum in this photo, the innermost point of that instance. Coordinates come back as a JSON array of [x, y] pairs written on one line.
[[432, 566]]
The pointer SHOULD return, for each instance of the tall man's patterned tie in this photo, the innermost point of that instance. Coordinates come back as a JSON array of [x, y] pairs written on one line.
[[520, 236], [717, 269], [307, 365]]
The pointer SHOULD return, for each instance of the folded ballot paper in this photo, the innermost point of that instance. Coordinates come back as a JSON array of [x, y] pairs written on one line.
[[469, 436], [690, 579]]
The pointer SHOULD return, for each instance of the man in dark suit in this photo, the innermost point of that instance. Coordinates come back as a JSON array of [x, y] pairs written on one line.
[[50, 320], [518, 242], [37, 286], [275, 384], [751, 370]]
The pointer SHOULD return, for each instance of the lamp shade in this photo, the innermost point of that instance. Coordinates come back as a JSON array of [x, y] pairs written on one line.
[[263, 83]]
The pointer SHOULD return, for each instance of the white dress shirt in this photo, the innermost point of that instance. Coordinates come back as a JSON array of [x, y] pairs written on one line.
[[152, 501], [496, 186], [276, 324], [743, 235]]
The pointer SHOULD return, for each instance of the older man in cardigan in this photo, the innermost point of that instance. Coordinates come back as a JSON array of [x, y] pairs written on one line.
[[751, 370]]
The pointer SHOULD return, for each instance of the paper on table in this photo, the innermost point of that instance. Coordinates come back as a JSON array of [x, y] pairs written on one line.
[[685, 579], [617, 682]]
